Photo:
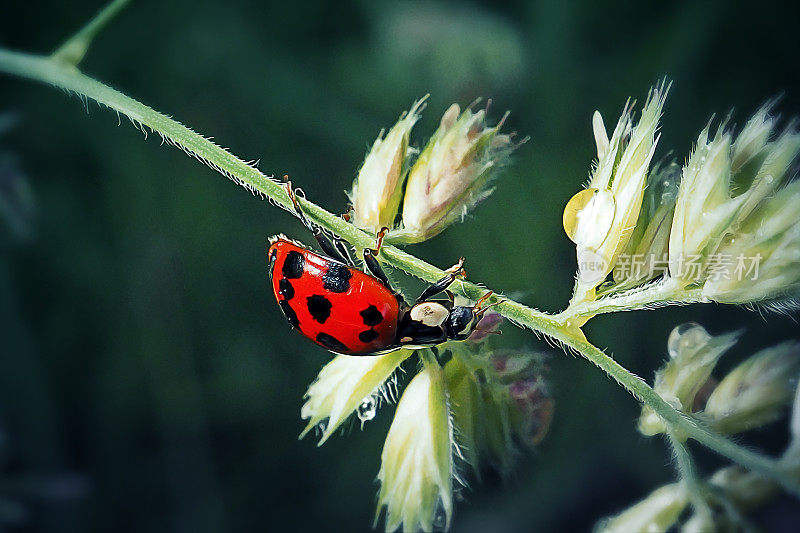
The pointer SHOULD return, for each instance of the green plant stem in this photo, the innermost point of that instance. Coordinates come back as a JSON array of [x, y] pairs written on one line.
[[684, 425], [688, 472], [73, 50], [68, 77]]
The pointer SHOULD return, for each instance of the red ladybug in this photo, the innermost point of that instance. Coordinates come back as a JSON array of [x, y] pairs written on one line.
[[347, 311]]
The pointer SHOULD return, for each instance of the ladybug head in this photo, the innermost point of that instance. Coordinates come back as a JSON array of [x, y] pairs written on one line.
[[433, 322], [460, 322]]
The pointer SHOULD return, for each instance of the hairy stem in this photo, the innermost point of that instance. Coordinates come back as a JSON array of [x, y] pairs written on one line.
[[682, 424], [71, 79], [688, 472], [68, 77]]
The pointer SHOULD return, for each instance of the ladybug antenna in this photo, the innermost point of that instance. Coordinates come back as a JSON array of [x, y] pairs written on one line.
[[478, 310], [482, 311]]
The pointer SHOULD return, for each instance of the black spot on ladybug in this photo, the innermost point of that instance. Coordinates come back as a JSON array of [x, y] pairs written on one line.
[[337, 278], [319, 307], [368, 336], [285, 289], [273, 255], [293, 265], [331, 342], [371, 316], [291, 316]]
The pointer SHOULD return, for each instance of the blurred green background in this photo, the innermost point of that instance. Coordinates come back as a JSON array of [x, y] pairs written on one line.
[[147, 379]]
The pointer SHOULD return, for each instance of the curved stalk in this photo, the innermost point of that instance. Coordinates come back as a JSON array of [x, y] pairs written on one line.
[[68, 77], [689, 478], [684, 425], [73, 50]]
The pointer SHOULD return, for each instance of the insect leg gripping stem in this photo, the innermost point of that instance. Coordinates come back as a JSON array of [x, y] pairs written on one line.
[[335, 248], [442, 285]]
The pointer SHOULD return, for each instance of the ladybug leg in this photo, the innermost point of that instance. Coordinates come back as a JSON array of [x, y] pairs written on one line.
[[342, 245], [344, 250], [371, 261], [374, 267], [335, 249], [441, 285], [346, 215], [451, 297]]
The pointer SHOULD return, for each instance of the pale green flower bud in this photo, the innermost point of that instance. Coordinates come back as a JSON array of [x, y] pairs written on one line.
[[600, 218], [756, 391], [765, 172], [417, 460], [749, 149], [704, 209], [496, 407], [478, 410], [343, 386], [726, 195], [466, 406], [644, 256], [693, 355], [451, 174], [658, 512], [761, 261], [378, 189], [744, 489]]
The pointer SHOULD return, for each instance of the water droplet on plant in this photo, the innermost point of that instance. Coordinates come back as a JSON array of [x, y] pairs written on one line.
[[728, 240], [592, 267], [768, 178], [366, 411], [688, 336], [588, 216]]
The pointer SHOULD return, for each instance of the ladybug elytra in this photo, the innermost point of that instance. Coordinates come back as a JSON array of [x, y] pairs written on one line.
[[348, 311]]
